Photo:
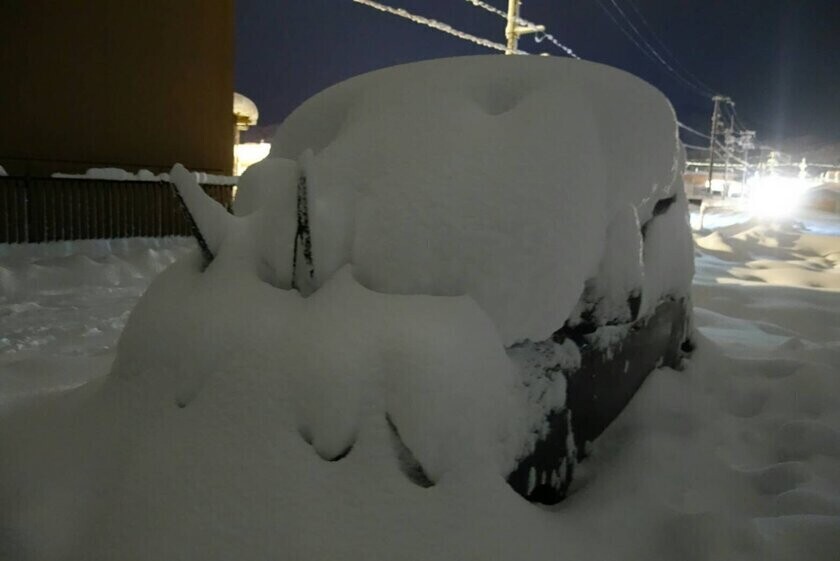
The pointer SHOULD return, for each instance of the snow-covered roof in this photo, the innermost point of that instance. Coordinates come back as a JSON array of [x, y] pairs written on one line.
[[244, 107]]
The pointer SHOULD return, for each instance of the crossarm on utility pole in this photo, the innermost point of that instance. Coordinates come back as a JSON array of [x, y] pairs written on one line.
[[513, 30]]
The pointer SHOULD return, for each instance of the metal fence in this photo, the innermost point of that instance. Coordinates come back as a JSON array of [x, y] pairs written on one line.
[[42, 209]]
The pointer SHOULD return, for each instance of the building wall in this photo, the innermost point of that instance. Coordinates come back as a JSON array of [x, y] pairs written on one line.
[[128, 83]]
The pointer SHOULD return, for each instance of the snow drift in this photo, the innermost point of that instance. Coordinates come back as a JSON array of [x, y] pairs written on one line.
[[455, 207]]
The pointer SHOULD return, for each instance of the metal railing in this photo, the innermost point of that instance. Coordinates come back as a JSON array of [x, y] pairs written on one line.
[[43, 209]]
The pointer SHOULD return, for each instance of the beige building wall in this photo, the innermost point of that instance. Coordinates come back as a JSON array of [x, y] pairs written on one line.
[[126, 83]]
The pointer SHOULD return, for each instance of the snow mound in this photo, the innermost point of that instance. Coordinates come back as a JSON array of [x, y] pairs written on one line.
[[475, 175], [244, 419]]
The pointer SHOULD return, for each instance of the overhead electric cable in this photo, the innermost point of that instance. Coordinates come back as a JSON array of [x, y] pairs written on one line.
[[649, 52], [689, 129], [437, 25], [729, 153], [737, 120], [730, 109], [702, 90], [665, 48], [538, 37], [498, 12]]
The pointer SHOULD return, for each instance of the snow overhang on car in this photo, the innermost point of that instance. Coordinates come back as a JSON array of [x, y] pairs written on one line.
[[543, 195]]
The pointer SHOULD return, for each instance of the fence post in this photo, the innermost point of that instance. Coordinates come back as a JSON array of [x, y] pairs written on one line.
[[5, 213], [34, 210]]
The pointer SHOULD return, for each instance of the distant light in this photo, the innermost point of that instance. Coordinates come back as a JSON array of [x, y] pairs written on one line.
[[774, 196], [248, 154], [727, 187]]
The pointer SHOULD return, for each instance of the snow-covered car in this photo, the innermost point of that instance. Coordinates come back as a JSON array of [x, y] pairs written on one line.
[[553, 204], [446, 279]]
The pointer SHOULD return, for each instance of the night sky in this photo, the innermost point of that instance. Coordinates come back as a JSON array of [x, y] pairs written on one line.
[[779, 60]]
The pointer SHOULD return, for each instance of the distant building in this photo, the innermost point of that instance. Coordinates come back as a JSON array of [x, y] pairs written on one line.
[[130, 84], [247, 115]]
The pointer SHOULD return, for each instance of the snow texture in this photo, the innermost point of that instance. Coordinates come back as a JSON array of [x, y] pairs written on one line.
[[734, 457], [118, 174], [667, 253], [608, 295], [423, 190], [541, 366]]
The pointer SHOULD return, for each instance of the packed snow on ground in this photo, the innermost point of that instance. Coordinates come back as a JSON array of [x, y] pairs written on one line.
[[119, 174], [243, 420], [735, 457], [63, 306]]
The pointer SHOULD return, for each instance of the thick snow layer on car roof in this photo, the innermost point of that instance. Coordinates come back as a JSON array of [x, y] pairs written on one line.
[[495, 177]]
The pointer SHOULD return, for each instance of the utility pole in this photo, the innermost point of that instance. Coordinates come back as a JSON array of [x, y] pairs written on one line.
[[713, 136], [746, 142], [729, 143], [513, 30]]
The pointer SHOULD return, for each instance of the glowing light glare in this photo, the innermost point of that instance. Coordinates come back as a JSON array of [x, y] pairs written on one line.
[[249, 153], [775, 196], [729, 187]]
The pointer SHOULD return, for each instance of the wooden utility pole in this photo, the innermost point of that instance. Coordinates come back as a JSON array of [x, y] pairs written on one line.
[[510, 30], [728, 143], [713, 136], [513, 30]]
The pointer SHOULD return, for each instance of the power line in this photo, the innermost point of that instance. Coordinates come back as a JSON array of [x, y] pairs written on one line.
[[498, 12], [737, 120], [689, 129], [729, 153], [545, 35], [538, 37], [735, 125], [733, 118], [665, 48], [649, 52], [621, 27], [434, 24], [530, 27], [697, 87]]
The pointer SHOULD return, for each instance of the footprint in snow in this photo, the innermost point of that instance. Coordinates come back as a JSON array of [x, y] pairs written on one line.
[[778, 478], [803, 439], [804, 501]]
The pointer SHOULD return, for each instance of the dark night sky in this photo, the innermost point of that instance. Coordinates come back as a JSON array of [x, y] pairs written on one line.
[[778, 59]]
